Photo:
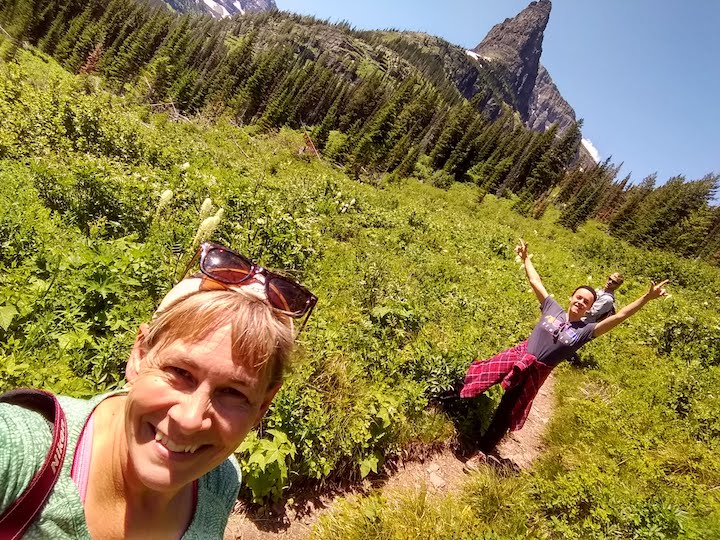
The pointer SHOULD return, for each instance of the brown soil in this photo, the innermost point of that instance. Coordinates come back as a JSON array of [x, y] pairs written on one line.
[[441, 472]]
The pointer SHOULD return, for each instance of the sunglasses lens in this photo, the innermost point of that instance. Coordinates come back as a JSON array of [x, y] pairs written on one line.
[[225, 266], [287, 296]]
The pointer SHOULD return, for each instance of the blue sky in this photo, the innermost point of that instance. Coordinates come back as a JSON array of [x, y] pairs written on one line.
[[644, 75]]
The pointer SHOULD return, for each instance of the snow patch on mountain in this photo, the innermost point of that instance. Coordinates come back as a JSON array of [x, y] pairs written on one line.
[[590, 147], [217, 9]]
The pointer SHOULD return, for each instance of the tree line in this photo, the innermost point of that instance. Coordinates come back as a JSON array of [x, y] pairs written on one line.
[[375, 102]]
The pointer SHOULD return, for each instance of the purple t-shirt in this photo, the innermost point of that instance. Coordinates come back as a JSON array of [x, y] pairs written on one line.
[[554, 338]]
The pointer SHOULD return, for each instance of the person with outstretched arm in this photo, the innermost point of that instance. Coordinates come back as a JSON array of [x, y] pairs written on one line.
[[522, 369]]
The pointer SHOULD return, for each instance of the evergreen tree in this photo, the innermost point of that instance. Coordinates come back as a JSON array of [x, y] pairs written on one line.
[[321, 133], [371, 147], [670, 205], [546, 174], [459, 121], [463, 154], [582, 206], [688, 237], [92, 60], [529, 159], [613, 199], [622, 223]]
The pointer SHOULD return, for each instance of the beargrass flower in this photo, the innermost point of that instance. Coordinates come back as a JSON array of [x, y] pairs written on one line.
[[206, 209], [207, 228], [165, 198]]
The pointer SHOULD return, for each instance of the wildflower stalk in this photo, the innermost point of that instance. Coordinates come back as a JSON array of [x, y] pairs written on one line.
[[207, 228]]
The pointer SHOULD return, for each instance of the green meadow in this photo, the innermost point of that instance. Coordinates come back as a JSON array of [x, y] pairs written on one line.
[[413, 281]]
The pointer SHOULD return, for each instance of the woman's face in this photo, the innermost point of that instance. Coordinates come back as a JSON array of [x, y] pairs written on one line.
[[189, 407], [580, 302]]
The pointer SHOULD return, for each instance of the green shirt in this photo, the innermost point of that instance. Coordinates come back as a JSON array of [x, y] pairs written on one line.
[[24, 441]]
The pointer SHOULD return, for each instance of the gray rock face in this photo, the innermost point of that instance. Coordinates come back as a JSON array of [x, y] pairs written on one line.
[[258, 5], [516, 44], [223, 8], [513, 49], [547, 106]]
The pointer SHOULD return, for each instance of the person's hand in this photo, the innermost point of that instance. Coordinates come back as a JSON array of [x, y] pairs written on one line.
[[657, 290], [522, 250]]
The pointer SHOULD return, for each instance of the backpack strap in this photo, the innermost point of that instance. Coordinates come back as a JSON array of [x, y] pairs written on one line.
[[21, 513]]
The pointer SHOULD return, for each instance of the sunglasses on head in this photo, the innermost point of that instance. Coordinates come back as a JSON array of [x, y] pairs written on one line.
[[231, 268]]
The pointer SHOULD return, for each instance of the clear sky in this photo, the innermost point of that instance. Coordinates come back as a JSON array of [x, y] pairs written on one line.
[[643, 74]]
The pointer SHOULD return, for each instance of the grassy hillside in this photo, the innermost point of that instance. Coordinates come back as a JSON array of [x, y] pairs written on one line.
[[414, 282]]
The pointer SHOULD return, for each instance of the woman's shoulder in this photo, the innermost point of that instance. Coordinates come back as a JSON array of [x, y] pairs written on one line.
[[223, 480], [550, 304], [24, 440], [217, 493]]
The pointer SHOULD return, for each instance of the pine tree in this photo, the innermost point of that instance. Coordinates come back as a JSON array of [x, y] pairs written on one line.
[[371, 148], [320, 134], [267, 69], [614, 200], [584, 205], [92, 60], [529, 159], [689, 237], [459, 120], [463, 154], [546, 174], [622, 223]]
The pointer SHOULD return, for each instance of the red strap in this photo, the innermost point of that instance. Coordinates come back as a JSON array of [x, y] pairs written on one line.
[[21, 513]]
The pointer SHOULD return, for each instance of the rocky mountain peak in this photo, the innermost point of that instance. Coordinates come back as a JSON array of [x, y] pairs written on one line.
[[516, 44], [221, 8], [547, 106]]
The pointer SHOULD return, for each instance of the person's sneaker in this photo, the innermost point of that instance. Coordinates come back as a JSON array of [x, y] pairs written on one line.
[[495, 461], [474, 462], [502, 464]]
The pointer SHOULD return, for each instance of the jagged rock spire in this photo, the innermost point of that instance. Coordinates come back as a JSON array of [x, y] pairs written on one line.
[[516, 44]]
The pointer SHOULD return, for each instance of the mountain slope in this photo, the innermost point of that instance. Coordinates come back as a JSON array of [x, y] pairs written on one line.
[[221, 8]]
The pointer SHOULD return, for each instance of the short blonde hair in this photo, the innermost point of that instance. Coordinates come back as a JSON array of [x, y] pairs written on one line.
[[262, 337]]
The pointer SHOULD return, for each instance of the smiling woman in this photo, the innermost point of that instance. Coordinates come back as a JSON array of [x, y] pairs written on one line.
[[155, 460]]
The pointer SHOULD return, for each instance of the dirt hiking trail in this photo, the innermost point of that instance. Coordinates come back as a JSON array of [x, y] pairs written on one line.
[[440, 473]]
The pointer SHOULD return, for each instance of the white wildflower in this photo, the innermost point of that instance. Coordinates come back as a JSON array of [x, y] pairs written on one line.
[[185, 166], [165, 198], [206, 209], [207, 228]]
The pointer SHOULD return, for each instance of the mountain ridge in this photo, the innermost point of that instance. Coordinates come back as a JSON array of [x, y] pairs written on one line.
[[221, 9], [504, 67]]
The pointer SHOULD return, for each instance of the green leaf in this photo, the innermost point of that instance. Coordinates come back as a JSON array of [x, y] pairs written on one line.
[[368, 464], [384, 415], [7, 314], [275, 455], [279, 436], [259, 458]]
